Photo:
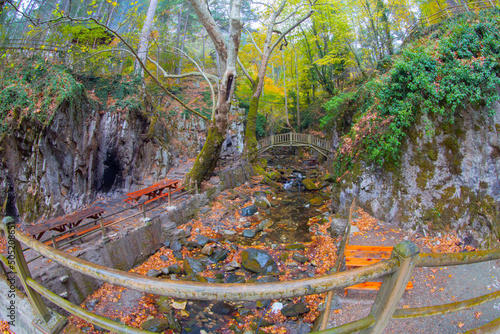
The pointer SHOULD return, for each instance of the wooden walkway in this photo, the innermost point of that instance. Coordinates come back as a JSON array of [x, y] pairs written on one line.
[[296, 140]]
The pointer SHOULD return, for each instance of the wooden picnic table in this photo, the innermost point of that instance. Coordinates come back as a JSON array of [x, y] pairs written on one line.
[[156, 191], [61, 224]]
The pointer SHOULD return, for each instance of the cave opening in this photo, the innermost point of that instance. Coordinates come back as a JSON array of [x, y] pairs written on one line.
[[112, 176]]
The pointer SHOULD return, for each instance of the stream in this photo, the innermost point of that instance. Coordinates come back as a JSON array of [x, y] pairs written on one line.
[[271, 229]]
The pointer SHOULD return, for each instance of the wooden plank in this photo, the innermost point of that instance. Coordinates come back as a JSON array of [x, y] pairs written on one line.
[[373, 286], [60, 238]]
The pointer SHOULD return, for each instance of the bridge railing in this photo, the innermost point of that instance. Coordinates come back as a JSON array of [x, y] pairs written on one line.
[[395, 272], [293, 139], [450, 11]]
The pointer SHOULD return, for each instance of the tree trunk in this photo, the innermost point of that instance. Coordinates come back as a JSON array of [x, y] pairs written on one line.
[[297, 88], [207, 159], [142, 52], [250, 136]]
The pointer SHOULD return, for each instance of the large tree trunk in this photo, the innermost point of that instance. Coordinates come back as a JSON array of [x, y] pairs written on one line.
[[250, 136], [142, 52], [207, 159]]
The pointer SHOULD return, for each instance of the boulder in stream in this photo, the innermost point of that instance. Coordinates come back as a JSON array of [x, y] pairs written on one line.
[[248, 211], [258, 261]]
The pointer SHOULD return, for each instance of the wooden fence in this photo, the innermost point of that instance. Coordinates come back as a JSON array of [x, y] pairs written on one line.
[[395, 272]]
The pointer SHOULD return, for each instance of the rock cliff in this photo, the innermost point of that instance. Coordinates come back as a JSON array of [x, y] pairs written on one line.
[[447, 178]]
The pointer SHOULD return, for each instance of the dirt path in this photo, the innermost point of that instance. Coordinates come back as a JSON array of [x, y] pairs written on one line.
[[432, 286]]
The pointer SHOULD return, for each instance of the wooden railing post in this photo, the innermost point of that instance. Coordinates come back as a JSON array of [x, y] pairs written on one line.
[[105, 238], [22, 271], [169, 197], [393, 286]]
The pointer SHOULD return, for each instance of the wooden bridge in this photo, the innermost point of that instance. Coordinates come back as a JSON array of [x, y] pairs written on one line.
[[294, 139]]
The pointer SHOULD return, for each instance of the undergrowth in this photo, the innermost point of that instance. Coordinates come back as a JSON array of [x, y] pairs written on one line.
[[32, 90], [458, 65]]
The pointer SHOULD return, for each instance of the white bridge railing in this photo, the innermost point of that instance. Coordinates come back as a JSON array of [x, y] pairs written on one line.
[[296, 140]]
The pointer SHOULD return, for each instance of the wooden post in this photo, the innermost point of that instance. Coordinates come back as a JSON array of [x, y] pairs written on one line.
[[54, 243], [393, 286], [18, 261], [169, 197], [144, 210], [105, 238]]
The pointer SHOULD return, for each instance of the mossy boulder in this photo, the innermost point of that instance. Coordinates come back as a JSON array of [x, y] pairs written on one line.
[[309, 184]]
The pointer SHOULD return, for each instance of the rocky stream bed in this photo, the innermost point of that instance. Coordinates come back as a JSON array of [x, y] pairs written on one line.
[[273, 228]]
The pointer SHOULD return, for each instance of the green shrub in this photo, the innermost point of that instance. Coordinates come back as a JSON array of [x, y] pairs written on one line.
[[433, 76]]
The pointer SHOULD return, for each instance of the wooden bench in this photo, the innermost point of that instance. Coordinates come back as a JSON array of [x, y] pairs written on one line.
[[359, 256], [164, 195]]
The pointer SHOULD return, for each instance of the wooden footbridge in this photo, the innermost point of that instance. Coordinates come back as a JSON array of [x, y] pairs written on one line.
[[294, 139]]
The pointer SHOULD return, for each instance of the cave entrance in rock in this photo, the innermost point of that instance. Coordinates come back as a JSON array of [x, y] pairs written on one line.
[[112, 176]]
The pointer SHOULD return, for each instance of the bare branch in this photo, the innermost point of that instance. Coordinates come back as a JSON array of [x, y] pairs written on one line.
[[245, 72], [155, 79], [253, 41], [295, 25], [211, 27]]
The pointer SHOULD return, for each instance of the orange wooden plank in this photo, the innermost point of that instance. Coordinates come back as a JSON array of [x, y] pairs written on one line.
[[373, 286]]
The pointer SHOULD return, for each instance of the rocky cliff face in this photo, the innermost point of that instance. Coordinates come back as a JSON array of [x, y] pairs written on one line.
[[447, 179], [80, 154]]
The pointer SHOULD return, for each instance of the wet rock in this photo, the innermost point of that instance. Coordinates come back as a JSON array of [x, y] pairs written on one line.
[[338, 227], [258, 261], [309, 184], [219, 255], [204, 210], [316, 201], [248, 233], [300, 258], [153, 273], [248, 211], [176, 245], [267, 279], [271, 183], [274, 175], [297, 328], [233, 265], [156, 325], [262, 203], [327, 178], [166, 243], [294, 309], [295, 246], [207, 250], [229, 232], [222, 308], [164, 271], [173, 323], [178, 255], [202, 240], [192, 266], [233, 278], [194, 278], [259, 194], [175, 269], [179, 304], [192, 245], [163, 304], [178, 234], [91, 304], [247, 224], [164, 258], [265, 224]]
